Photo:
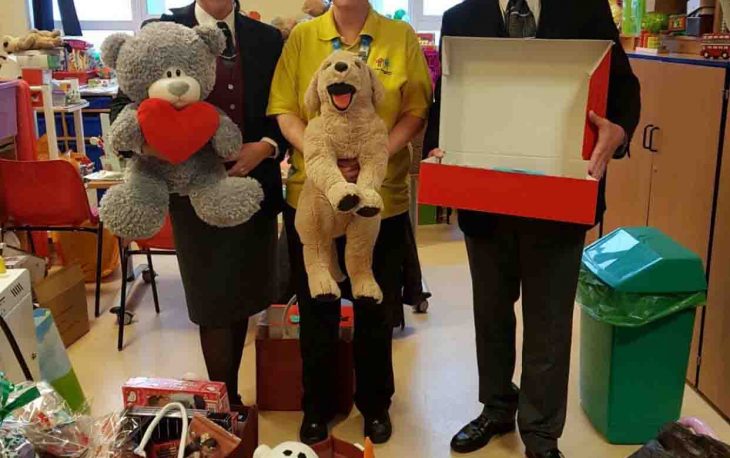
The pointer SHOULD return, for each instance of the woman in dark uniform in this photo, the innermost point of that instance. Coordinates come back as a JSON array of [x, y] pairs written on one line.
[[228, 273]]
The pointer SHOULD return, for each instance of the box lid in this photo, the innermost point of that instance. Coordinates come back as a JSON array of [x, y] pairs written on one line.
[[644, 260], [521, 105]]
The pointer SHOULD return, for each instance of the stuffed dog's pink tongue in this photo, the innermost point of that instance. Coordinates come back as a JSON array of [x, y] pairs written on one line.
[[342, 101]]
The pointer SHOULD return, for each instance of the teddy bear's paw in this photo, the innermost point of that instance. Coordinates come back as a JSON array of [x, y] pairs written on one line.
[[364, 287], [345, 197], [322, 287], [230, 202], [130, 217], [371, 204]]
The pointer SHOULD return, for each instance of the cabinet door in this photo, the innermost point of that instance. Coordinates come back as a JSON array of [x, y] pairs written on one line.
[[684, 166], [629, 180], [715, 369]]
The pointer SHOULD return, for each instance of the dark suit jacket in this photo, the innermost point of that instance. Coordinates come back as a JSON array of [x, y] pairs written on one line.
[[559, 19], [260, 46]]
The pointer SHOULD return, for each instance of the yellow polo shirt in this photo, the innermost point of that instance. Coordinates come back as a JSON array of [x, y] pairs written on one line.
[[398, 60]]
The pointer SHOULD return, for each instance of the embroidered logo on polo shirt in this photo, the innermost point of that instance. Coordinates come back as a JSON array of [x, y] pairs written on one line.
[[382, 64]]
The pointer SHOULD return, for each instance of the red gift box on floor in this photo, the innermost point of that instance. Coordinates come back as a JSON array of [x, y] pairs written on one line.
[[335, 448], [515, 128], [158, 392]]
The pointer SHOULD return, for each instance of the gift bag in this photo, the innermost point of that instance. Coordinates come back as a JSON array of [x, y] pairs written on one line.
[[208, 434], [279, 362], [53, 360], [199, 437]]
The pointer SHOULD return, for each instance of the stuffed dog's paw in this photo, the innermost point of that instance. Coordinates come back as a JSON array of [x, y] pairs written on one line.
[[371, 204], [344, 197], [364, 287], [322, 287]]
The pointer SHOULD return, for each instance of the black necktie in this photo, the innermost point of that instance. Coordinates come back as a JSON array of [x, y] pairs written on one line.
[[230, 52], [519, 20]]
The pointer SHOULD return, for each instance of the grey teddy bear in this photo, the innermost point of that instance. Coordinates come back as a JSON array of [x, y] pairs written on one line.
[[177, 64]]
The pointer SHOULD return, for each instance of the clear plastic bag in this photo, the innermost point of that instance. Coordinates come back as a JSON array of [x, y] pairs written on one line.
[[618, 308], [53, 429]]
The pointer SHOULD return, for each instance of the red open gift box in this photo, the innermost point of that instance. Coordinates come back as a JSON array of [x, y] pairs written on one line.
[[515, 128]]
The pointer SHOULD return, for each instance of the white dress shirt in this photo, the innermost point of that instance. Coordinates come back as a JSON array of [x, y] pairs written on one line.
[[533, 4], [204, 18]]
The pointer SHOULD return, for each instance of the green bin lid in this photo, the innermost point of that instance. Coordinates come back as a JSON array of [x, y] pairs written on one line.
[[644, 260]]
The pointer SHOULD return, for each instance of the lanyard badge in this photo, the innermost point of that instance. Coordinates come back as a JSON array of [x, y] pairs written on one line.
[[365, 44]]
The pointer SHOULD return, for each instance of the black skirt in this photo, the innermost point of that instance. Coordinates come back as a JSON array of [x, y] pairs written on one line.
[[228, 273]]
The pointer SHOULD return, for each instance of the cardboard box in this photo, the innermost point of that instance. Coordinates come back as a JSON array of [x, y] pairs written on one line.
[[158, 392], [64, 294], [21, 260], [514, 124]]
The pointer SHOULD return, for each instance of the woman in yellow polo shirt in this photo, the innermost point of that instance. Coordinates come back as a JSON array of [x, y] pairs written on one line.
[[391, 48]]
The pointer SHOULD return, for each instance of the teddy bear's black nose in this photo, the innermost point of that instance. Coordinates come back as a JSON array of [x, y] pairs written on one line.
[[178, 88], [341, 67]]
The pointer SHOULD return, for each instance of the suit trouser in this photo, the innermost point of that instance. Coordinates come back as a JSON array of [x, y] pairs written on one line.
[[543, 260], [372, 344]]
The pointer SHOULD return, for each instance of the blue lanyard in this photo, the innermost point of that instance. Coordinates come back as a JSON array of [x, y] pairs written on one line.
[[365, 42]]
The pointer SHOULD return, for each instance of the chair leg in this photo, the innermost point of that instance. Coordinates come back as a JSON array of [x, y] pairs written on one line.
[[99, 253], [31, 242], [123, 302], [154, 282]]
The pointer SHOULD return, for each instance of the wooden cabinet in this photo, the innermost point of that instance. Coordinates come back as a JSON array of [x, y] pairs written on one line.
[[714, 380], [672, 187], [669, 180]]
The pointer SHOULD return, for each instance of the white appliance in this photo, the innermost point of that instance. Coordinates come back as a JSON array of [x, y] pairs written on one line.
[[16, 308]]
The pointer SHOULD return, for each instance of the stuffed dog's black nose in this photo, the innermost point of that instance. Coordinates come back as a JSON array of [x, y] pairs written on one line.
[[341, 67]]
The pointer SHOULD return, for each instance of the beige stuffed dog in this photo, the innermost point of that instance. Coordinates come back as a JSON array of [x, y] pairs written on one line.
[[345, 91]]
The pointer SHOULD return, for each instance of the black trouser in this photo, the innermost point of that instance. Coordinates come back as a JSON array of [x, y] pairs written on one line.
[[320, 321], [543, 258]]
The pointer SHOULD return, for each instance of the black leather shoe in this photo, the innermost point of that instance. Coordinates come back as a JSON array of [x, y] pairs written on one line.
[[555, 453], [313, 432], [478, 433], [379, 429]]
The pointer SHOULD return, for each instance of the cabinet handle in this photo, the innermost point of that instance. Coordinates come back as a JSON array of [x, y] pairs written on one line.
[[651, 139], [644, 137]]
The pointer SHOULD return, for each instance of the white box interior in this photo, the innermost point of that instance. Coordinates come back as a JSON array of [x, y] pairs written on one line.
[[517, 105]]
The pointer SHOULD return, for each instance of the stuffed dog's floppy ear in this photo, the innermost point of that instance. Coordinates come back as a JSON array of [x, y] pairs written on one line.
[[378, 88], [311, 97], [111, 46], [213, 38]]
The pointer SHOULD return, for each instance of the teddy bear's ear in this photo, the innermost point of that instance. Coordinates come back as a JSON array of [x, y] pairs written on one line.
[[311, 97], [213, 38], [111, 46], [262, 451], [378, 88]]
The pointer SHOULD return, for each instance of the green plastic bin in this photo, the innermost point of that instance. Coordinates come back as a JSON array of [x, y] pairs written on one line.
[[638, 292]]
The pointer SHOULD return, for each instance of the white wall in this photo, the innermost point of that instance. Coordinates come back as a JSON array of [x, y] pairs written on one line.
[[14, 17], [270, 9]]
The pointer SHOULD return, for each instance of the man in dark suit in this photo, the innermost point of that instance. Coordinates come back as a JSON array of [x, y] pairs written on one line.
[[228, 273], [540, 259]]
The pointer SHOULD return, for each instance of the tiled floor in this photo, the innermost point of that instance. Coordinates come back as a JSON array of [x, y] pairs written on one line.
[[434, 358]]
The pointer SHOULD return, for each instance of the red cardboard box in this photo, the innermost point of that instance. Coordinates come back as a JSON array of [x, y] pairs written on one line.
[[157, 392], [515, 128]]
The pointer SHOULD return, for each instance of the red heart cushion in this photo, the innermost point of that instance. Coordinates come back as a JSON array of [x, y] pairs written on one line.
[[177, 134]]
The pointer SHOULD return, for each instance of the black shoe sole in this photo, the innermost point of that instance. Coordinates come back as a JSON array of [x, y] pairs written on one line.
[[473, 447], [380, 440]]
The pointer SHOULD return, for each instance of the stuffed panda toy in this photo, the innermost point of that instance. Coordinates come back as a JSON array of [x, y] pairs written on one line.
[[285, 450]]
